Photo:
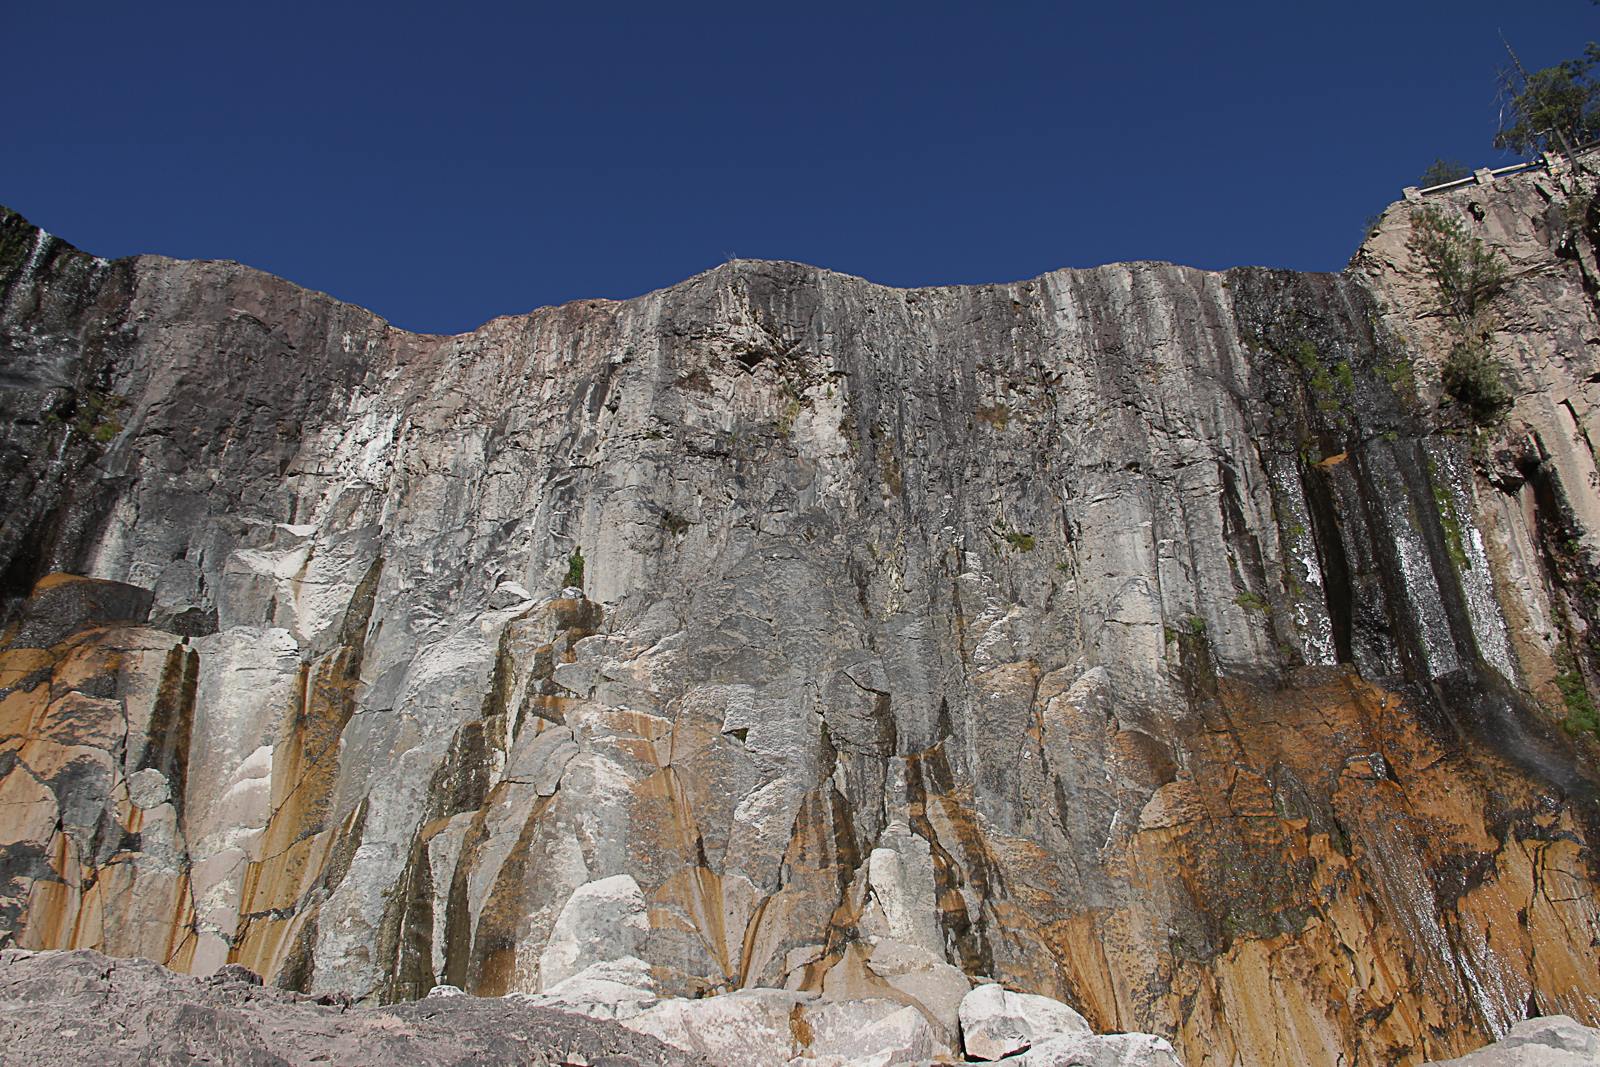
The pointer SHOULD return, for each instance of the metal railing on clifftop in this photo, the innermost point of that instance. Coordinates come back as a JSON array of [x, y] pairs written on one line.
[[1551, 161]]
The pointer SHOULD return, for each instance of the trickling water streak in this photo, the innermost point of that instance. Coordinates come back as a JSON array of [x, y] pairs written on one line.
[[1302, 569], [41, 242], [1472, 562]]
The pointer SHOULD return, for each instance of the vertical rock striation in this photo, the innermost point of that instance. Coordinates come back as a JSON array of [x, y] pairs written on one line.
[[1141, 637]]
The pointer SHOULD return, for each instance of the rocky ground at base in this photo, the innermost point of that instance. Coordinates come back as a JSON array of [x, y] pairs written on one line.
[[81, 1007], [70, 1008]]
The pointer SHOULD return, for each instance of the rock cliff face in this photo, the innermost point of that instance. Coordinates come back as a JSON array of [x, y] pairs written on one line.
[[1150, 639]]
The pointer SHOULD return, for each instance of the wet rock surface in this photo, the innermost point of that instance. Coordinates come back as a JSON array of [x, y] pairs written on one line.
[[1158, 641]]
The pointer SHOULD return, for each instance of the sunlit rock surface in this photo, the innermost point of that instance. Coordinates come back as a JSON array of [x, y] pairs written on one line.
[[1144, 638]]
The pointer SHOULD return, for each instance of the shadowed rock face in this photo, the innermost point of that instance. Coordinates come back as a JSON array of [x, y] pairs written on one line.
[[1146, 638]]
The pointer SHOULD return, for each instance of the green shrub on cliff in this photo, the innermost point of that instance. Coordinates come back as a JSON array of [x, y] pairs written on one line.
[[1467, 275], [91, 415], [1022, 542], [1582, 718], [1473, 379]]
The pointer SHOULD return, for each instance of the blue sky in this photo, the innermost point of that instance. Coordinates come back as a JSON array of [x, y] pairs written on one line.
[[443, 164]]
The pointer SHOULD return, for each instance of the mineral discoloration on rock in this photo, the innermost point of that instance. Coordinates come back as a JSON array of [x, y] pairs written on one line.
[[1141, 637]]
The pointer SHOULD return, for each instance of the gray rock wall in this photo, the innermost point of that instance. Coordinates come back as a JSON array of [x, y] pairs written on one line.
[[1143, 637]]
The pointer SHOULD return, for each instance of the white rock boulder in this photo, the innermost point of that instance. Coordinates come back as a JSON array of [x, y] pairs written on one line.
[[1099, 1050], [444, 990], [746, 1028], [603, 920], [1549, 1041], [873, 1031], [925, 978], [614, 989], [995, 1022], [509, 595]]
